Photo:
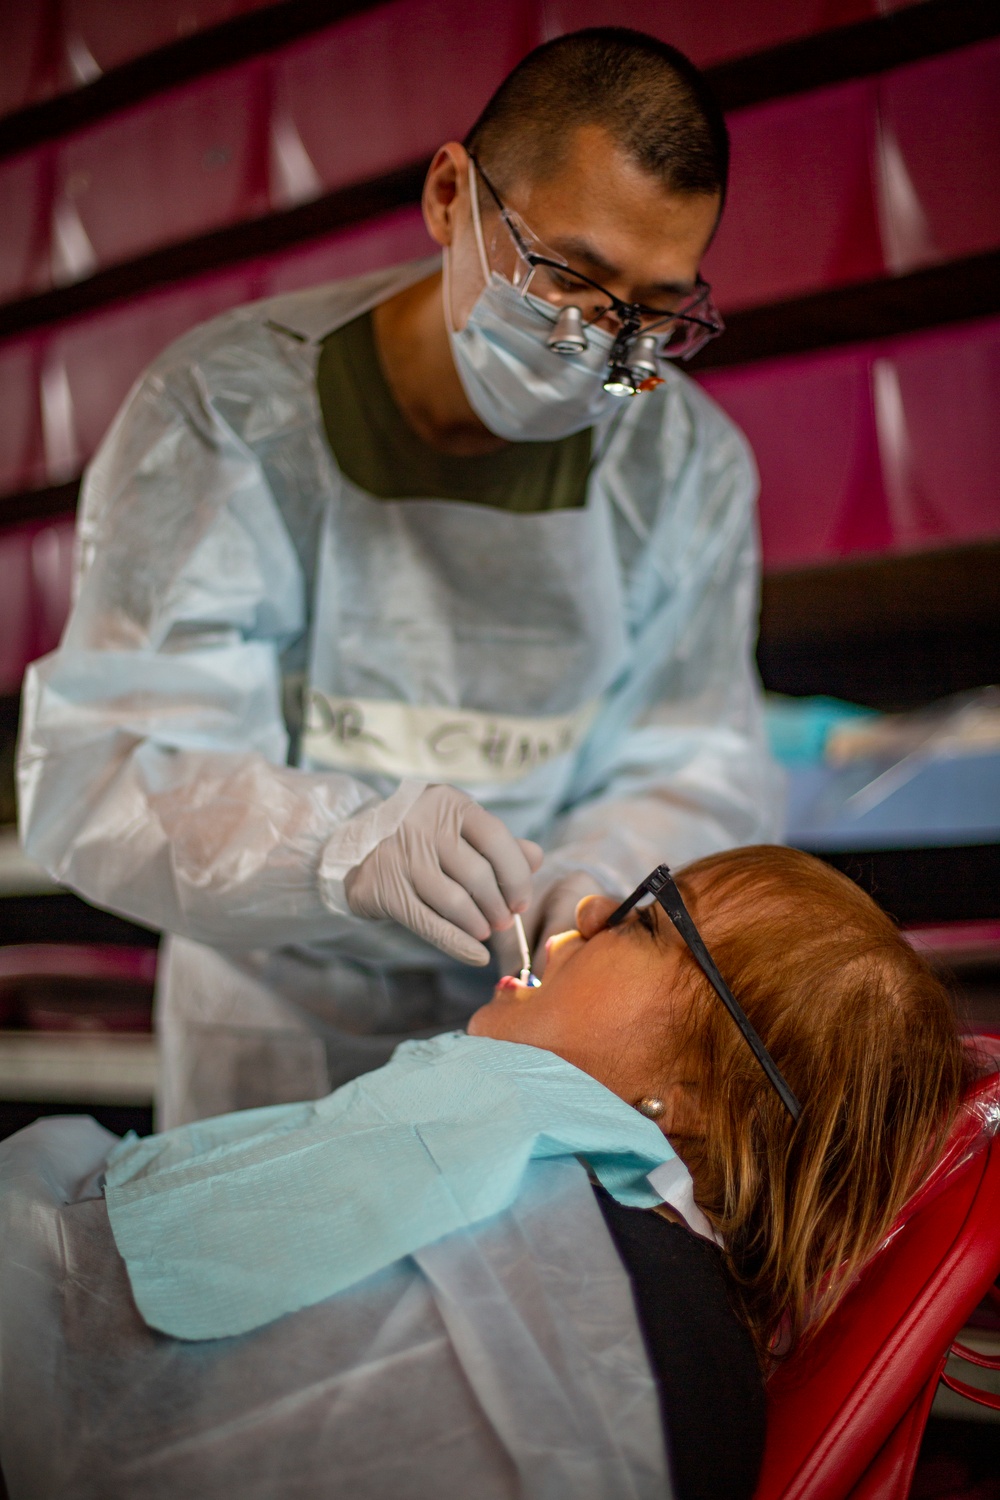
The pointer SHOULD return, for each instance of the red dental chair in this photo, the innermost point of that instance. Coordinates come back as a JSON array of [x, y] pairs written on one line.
[[847, 1413]]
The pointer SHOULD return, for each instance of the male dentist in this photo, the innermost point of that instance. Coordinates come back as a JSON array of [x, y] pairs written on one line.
[[390, 586]]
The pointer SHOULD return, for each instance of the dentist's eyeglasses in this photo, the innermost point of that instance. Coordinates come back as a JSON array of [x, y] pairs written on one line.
[[661, 885], [644, 333]]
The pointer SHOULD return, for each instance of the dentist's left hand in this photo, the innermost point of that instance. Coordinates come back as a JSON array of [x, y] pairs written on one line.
[[451, 872]]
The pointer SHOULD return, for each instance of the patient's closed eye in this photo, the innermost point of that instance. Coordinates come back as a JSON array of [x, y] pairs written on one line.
[[644, 918]]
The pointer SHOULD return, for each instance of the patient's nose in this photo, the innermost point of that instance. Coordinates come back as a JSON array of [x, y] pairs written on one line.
[[592, 913]]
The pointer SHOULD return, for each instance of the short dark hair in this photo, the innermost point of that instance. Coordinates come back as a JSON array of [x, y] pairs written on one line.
[[651, 99]]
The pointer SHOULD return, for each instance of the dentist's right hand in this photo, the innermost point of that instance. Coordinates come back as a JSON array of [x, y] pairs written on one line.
[[451, 872]]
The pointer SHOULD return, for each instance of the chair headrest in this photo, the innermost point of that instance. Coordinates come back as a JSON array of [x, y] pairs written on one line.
[[975, 1124]]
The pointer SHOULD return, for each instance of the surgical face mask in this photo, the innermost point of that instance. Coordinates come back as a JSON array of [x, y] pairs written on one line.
[[518, 387]]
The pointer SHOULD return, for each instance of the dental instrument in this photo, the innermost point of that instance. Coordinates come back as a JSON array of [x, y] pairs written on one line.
[[526, 975]]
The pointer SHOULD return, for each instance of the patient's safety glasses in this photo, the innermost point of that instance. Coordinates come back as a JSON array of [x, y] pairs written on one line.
[[662, 886], [680, 330]]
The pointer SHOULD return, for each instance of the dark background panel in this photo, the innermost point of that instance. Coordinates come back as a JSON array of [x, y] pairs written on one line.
[[948, 884], [118, 1118], [892, 632], [64, 918]]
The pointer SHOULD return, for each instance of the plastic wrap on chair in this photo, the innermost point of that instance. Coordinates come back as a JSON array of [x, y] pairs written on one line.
[[509, 1363], [975, 1127]]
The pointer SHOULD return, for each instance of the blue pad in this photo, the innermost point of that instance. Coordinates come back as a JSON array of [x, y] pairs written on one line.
[[229, 1223]]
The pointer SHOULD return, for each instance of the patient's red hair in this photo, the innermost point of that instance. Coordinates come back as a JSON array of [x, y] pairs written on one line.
[[864, 1033]]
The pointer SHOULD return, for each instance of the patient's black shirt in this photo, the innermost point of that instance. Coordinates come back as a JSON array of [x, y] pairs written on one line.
[[710, 1385]]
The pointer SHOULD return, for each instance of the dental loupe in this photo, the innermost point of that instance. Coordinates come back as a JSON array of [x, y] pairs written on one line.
[[633, 364]]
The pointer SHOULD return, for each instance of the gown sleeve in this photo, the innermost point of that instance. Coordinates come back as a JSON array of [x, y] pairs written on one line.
[[152, 763], [677, 765]]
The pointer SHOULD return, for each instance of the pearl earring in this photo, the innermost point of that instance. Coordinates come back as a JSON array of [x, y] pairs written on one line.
[[651, 1108]]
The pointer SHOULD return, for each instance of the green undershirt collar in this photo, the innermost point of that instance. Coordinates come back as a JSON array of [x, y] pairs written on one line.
[[376, 449]]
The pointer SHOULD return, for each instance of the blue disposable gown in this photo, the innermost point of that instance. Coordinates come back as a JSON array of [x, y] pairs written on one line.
[[264, 665]]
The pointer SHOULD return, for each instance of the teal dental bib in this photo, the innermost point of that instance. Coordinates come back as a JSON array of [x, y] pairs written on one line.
[[227, 1224]]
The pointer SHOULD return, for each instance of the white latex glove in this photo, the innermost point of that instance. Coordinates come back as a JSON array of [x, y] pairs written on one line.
[[451, 872], [554, 912]]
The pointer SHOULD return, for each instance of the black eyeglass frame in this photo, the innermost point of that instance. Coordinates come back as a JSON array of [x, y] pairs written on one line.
[[629, 314], [661, 885]]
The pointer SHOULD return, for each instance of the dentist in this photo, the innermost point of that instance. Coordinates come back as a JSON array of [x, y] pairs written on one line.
[[410, 602]]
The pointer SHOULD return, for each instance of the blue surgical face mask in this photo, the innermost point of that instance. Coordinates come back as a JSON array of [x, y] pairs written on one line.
[[518, 387]]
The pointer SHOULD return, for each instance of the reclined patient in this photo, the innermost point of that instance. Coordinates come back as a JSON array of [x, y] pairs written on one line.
[[462, 1274]]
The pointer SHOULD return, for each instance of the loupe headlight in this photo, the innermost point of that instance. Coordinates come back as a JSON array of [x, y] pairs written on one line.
[[619, 382], [633, 364]]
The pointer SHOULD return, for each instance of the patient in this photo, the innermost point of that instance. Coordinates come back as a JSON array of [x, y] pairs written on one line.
[[390, 1382], [855, 1020]]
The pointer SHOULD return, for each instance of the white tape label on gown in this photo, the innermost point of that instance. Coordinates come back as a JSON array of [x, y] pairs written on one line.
[[458, 745]]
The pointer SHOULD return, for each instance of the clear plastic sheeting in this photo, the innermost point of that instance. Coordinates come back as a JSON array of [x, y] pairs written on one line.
[[939, 123], [55, 46], [98, 35], [22, 454], [870, 185], [387, 241], [967, 724], [24, 206], [91, 363], [505, 1363], [931, 777]]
